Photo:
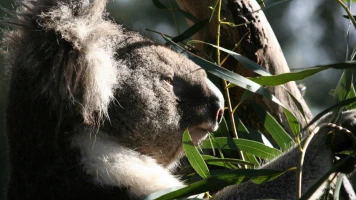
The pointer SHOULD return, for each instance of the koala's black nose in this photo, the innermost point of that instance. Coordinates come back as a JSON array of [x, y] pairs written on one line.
[[219, 115]]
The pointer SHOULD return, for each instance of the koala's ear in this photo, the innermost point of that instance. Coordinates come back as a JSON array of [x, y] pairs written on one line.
[[92, 75]]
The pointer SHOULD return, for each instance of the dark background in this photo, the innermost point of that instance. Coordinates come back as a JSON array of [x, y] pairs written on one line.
[[310, 32]]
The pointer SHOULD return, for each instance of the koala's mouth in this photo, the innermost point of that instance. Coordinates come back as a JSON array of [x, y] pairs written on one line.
[[199, 133]]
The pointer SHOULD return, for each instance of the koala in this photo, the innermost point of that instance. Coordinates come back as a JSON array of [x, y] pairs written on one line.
[[96, 111]]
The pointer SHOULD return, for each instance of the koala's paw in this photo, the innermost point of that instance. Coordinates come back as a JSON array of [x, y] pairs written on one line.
[[342, 139], [348, 121]]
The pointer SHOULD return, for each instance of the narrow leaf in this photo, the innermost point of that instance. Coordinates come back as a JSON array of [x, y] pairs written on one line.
[[222, 161], [191, 31], [297, 103], [250, 158], [224, 179], [248, 146], [280, 79], [344, 85], [249, 64], [295, 76], [352, 94], [159, 5], [194, 157], [280, 136], [188, 16]]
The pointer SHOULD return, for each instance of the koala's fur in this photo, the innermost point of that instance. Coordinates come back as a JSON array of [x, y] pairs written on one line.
[[96, 111]]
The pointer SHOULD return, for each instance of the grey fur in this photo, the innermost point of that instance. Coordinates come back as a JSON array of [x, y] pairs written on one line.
[[80, 81], [91, 104]]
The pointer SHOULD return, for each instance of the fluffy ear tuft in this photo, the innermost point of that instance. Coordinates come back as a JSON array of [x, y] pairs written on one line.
[[81, 44], [85, 27]]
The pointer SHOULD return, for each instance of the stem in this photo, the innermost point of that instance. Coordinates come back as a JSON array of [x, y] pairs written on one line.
[[301, 158], [174, 17], [348, 12], [300, 166], [226, 90]]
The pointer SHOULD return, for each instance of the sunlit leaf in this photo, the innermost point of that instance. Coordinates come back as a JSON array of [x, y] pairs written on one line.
[[194, 157], [249, 146], [296, 76], [224, 179], [280, 136], [352, 94], [211, 160], [344, 85], [250, 158]]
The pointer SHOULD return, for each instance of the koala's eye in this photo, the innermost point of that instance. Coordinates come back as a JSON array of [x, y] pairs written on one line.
[[168, 80]]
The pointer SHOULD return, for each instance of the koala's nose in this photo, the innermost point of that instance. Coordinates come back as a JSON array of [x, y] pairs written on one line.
[[219, 115], [218, 105]]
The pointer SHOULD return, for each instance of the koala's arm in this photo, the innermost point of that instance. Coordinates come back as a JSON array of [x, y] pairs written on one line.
[[318, 160]]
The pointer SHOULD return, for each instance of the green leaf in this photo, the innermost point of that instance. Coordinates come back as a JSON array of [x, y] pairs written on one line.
[[211, 160], [249, 64], [352, 94], [280, 79], [191, 31], [252, 147], [188, 16], [159, 5], [261, 3], [225, 179], [159, 193], [194, 157], [292, 121], [296, 76], [297, 103], [213, 10], [344, 85], [250, 158], [280, 136]]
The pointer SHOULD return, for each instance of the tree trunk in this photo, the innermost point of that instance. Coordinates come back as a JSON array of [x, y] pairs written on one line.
[[258, 43]]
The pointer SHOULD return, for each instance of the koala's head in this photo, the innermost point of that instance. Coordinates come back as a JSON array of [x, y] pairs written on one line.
[[164, 94]]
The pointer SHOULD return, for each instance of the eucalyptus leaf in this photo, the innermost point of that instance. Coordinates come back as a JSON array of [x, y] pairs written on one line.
[[252, 147], [222, 180], [280, 136], [159, 5], [296, 76], [344, 85], [191, 31], [352, 94], [194, 157], [250, 158], [222, 161]]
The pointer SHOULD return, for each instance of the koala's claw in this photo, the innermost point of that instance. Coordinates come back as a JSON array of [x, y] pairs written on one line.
[[340, 138]]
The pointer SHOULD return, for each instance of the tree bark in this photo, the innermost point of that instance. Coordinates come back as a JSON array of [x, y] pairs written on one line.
[[258, 43]]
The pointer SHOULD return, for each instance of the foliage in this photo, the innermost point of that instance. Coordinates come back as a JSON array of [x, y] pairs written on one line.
[[237, 158]]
